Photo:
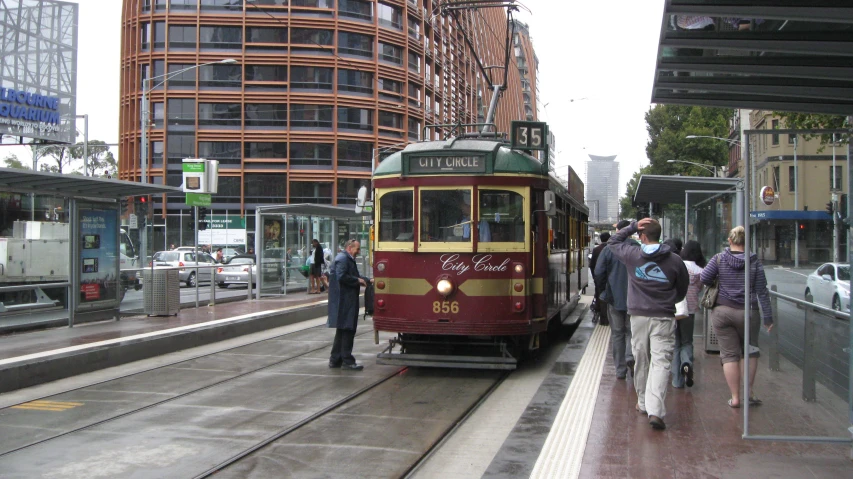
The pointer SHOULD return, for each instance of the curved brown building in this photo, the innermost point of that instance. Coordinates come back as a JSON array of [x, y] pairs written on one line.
[[319, 87]]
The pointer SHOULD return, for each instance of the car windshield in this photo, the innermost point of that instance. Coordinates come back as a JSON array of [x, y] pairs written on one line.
[[169, 256], [844, 273], [241, 261]]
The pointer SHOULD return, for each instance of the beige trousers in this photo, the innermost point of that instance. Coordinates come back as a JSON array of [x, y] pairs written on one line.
[[652, 341]]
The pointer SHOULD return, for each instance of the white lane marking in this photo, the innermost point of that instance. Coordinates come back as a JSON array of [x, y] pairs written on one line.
[[138, 337], [562, 454], [789, 270]]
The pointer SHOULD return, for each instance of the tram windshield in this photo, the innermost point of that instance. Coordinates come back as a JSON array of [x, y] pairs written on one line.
[[501, 216], [397, 220], [446, 215]]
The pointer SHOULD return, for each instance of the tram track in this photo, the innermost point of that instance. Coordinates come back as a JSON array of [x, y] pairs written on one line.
[[190, 392]]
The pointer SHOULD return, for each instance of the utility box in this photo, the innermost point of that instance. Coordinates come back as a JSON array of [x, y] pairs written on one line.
[[711, 343], [161, 292]]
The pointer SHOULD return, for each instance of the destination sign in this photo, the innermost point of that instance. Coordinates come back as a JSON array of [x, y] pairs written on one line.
[[447, 164]]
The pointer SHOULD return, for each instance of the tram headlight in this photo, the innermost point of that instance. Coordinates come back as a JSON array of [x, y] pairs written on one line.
[[444, 287], [519, 268], [380, 267]]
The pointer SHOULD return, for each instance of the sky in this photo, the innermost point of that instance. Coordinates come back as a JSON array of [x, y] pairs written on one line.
[[601, 54]]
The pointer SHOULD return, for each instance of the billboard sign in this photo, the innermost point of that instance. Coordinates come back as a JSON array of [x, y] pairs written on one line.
[[224, 230], [38, 77]]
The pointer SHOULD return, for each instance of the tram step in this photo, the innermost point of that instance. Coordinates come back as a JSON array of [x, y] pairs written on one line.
[[445, 361]]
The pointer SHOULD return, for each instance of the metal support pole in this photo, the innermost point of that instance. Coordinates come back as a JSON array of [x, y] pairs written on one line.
[[809, 359], [143, 161], [774, 333], [490, 116], [73, 271], [849, 260], [743, 207], [249, 285], [212, 299], [686, 214], [86, 144], [753, 194], [195, 246]]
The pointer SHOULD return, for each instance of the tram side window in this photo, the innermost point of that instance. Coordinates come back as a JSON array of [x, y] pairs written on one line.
[[397, 221], [446, 215], [501, 216]]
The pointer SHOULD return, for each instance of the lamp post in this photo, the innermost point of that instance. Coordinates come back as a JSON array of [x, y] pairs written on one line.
[[143, 148], [701, 165]]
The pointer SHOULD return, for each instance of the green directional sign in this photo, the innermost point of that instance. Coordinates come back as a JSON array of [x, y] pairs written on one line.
[[198, 199]]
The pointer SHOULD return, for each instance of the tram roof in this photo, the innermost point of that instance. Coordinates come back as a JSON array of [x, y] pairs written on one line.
[[791, 55], [505, 159]]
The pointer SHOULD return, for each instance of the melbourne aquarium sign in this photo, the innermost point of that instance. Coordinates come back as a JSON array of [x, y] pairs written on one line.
[[29, 111]]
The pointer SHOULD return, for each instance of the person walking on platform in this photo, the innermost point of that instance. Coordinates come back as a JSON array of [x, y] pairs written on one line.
[[727, 315], [657, 281], [344, 284], [599, 308], [611, 278], [682, 359]]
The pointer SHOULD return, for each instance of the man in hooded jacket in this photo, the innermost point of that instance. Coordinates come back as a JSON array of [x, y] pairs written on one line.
[[657, 279], [345, 282], [611, 278]]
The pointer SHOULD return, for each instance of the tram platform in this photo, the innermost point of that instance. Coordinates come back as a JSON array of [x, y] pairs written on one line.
[[582, 423], [36, 357]]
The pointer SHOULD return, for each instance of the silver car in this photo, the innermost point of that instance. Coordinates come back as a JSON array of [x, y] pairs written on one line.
[[185, 260], [236, 271]]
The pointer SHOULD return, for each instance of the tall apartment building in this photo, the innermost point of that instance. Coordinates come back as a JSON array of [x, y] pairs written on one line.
[[320, 89], [602, 188], [797, 219]]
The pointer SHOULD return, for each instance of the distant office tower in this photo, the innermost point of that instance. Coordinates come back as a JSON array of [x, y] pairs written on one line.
[[602, 188]]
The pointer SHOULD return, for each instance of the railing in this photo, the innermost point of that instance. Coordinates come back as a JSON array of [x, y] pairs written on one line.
[[195, 270]]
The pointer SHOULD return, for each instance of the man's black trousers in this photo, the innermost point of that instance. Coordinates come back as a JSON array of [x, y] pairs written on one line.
[[342, 347]]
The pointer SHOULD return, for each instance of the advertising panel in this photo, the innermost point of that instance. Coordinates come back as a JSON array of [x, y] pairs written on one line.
[[38, 81], [98, 255], [224, 230]]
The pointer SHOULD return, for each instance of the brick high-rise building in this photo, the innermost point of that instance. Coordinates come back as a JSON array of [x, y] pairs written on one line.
[[319, 89]]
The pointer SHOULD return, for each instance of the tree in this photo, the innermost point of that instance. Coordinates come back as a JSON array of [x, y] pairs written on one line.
[[100, 161], [59, 155], [814, 121], [627, 210], [12, 161], [669, 126]]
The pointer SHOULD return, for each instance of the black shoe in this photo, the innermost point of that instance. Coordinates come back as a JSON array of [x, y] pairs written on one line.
[[333, 365], [687, 369], [352, 367], [657, 423], [630, 365]]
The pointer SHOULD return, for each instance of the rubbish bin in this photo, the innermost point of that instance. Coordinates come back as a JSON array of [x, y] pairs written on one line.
[[711, 344], [161, 293]]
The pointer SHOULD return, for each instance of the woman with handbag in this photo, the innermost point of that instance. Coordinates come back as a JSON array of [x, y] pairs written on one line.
[[682, 359], [724, 275]]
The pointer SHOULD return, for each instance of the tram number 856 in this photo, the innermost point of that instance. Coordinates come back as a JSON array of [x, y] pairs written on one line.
[[445, 307]]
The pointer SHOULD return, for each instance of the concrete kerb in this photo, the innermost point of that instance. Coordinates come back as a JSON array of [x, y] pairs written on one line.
[[35, 369]]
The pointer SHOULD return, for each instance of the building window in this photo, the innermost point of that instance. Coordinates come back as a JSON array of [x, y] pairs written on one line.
[[227, 152], [311, 116], [414, 28], [776, 179], [311, 78], [355, 118], [181, 36], [791, 176], [389, 16], [390, 89], [775, 137], [181, 111], [791, 139], [178, 147], [185, 79], [356, 9], [228, 38], [355, 44], [354, 154], [311, 154], [266, 73], [311, 36], [414, 62], [181, 4], [348, 189], [352, 80], [391, 53], [222, 5], [414, 129], [219, 114], [313, 3], [266, 114], [835, 183], [265, 150], [159, 34], [145, 35], [265, 188], [158, 115], [266, 35], [414, 94], [390, 120], [156, 149], [229, 190], [221, 76], [310, 192]]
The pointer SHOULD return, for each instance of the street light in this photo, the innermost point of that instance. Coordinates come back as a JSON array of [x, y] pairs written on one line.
[[713, 172], [145, 90], [729, 140]]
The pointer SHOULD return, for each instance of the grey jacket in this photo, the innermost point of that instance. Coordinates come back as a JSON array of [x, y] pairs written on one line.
[[611, 277]]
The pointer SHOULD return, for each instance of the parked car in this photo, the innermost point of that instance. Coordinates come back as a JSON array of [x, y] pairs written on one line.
[[228, 253], [236, 271], [184, 260], [829, 285]]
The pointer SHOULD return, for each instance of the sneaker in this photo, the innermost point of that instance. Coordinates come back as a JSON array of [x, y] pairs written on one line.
[[657, 423], [352, 367], [630, 365], [687, 369]]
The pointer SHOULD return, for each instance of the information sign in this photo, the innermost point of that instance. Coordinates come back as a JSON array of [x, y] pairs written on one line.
[[529, 135], [198, 199], [447, 164]]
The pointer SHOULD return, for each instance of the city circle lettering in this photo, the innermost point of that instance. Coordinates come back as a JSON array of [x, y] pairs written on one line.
[[480, 263], [448, 163]]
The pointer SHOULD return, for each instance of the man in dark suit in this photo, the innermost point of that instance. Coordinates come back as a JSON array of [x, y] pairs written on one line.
[[345, 283]]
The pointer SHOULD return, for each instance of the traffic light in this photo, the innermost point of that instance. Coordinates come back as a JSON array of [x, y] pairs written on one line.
[[192, 217], [140, 206], [829, 208], [123, 204], [202, 218]]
